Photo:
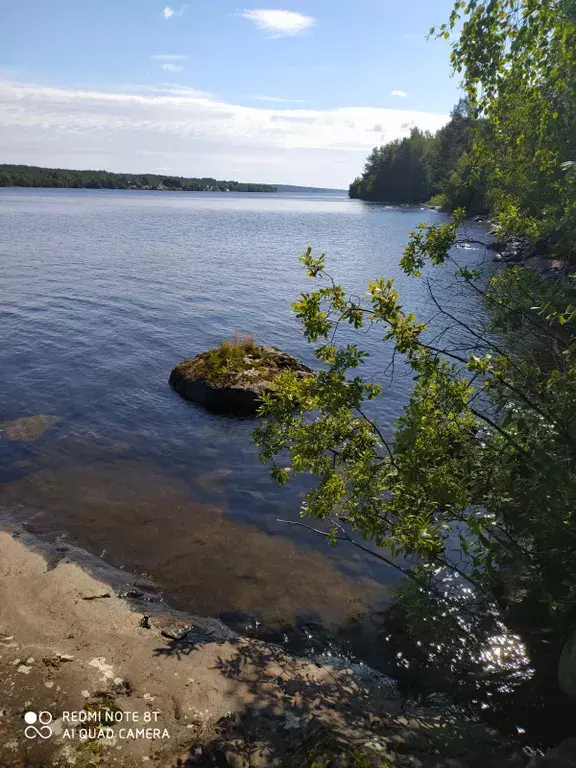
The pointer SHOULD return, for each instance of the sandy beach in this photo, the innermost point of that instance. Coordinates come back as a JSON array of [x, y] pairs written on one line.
[[69, 645]]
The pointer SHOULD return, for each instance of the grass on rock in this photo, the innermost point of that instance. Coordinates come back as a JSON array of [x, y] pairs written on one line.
[[225, 365]]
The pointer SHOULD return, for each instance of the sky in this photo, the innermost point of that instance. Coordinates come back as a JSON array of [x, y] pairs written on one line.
[[279, 92]]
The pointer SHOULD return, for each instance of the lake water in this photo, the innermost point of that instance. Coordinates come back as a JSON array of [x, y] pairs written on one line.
[[103, 293]]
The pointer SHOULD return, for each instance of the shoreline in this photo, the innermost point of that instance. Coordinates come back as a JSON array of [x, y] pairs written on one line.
[[69, 641], [151, 189], [120, 691]]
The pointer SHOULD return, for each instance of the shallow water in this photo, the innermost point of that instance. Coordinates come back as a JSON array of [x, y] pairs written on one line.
[[103, 292]]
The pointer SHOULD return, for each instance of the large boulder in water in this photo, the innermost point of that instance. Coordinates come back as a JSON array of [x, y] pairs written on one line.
[[231, 378]]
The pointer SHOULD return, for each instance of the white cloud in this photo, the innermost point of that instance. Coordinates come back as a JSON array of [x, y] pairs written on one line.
[[279, 23], [280, 100], [169, 12], [169, 60], [169, 56], [168, 89], [401, 94], [140, 128]]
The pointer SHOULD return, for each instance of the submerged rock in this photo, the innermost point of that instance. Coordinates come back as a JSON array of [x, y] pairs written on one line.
[[232, 378], [28, 428]]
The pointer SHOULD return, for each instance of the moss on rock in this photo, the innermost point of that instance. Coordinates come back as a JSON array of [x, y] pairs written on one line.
[[232, 377]]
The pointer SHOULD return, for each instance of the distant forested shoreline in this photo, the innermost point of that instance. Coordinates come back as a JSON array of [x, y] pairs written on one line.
[[33, 176]]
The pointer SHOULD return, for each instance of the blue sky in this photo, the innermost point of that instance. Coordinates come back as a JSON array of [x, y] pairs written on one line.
[[292, 92]]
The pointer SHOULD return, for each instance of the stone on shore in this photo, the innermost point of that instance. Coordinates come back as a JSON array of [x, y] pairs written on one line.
[[518, 249]]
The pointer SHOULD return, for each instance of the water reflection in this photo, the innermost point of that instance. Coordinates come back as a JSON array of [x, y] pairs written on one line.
[[106, 291], [452, 644]]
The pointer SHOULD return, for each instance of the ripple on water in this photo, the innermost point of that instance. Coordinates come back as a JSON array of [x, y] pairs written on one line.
[[103, 293]]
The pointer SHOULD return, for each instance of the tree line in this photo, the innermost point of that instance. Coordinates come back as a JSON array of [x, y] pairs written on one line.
[[33, 176], [427, 167]]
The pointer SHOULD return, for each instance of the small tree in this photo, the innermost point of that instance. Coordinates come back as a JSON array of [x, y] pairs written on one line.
[[480, 475]]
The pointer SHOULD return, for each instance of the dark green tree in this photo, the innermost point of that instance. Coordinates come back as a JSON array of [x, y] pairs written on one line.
[[31, 176]]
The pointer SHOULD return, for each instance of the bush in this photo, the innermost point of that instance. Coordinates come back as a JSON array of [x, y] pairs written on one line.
[[219, 366], [439, 201]]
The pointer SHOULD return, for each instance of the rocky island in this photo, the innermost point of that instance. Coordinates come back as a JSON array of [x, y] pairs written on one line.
[[232, 377]]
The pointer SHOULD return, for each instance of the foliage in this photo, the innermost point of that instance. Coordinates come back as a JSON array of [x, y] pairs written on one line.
[[396, 172], [221, 365], [480, 474], [477, 483], [31, 176], [501, 476], [512, 140], [440, 201], [422, 166], [518, 62]]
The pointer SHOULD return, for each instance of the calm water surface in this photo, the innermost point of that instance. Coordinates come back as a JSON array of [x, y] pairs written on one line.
[[103, 292]]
